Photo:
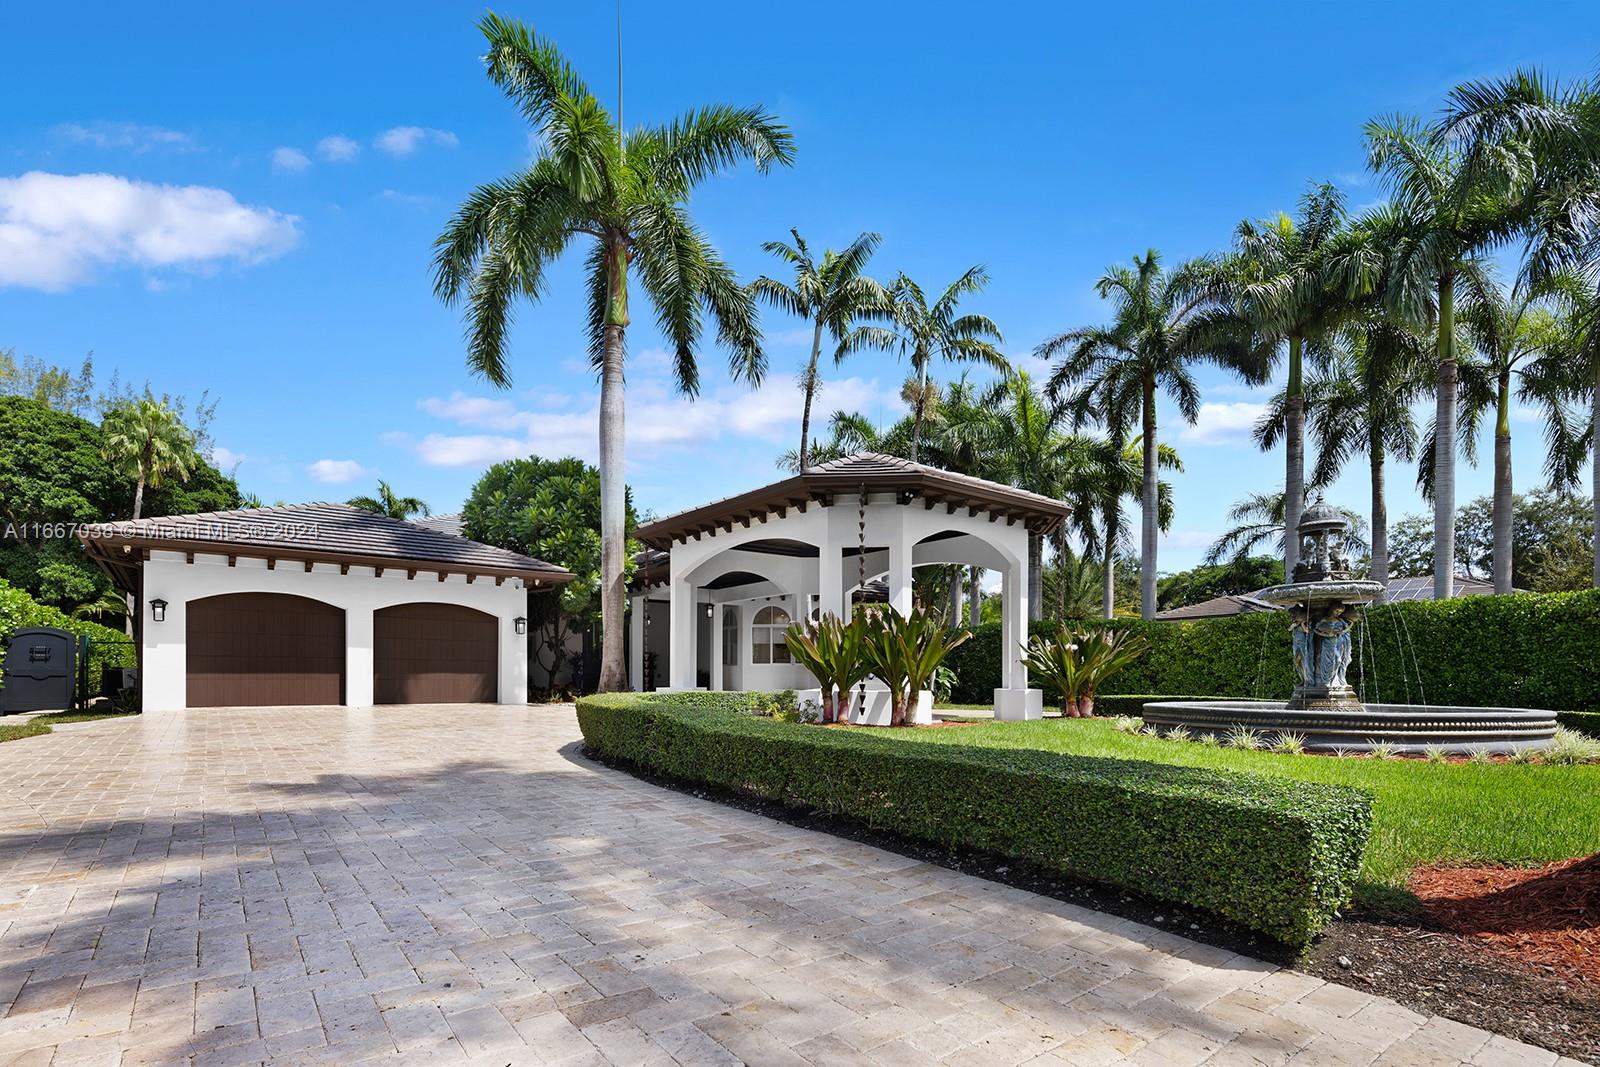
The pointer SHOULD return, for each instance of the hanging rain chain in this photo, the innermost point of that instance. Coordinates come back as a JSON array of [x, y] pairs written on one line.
[[861, 580]]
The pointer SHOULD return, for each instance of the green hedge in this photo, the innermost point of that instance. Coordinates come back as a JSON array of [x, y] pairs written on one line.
[[107, 647], [1585, 722], [1272, 854], [1532, 650]]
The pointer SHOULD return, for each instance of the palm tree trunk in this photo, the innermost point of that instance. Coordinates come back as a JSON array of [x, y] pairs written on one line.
[[1294, 478], [1502, 486], [975, 596], [1108, 566], [1444, 448], [810, 388], [1035, 577], [955, 598], [921, 405], [1149, 505], [138, 492], [613, 478], [1060, 543], [1380, 511], [1594, 427]]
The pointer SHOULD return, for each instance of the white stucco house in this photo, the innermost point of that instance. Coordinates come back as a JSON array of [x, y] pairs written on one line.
[[728, 578], [320, 604]]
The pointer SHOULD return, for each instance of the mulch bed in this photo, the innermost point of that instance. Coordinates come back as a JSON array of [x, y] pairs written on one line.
[[1409, 958], [934, 725]]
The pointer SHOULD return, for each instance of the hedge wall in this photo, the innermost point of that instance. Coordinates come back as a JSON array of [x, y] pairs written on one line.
[[107, 647], [1275, 855], [1585, 722], [1535, 650]]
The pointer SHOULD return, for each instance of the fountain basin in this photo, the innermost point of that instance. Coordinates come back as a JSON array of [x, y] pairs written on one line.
[[1332, 591], [1407, 728]]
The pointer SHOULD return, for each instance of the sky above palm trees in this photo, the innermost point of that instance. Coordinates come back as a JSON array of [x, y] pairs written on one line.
[[256, 219]]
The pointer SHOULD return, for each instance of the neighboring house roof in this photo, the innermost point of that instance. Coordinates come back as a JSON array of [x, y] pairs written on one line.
[[313, 533], [864, 470], [1422, 589], [445, 524], [1216, 608]]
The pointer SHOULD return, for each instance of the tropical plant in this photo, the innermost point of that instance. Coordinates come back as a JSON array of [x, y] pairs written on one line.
[[1297, 279], [1289, 743], [147, 441], [1164, 322], [832, 650], [628, 195], [389, 503], [832, 296], [904, 652], [1076, 663], [927, 331]]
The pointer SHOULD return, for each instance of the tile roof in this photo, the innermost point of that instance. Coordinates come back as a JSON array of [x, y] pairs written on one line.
[[446, 524], [321, 531]]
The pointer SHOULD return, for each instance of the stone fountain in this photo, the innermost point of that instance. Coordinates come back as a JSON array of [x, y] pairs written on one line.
[[1325, 602]]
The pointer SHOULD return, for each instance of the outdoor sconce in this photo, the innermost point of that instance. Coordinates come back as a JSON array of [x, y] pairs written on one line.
[[710, 611], [158, 610], [520, 624]]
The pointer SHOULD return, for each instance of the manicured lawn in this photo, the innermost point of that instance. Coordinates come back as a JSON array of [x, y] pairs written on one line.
[[16, 731], [40, 724], [1518, 815]]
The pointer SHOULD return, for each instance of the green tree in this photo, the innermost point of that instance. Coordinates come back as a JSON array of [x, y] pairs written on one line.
[[927, 331], [548, 509], [146, 440], [832, 296], [1259, 520], [55, 387], [628, 196], [1163, 323], [1238, 576], [389, 503]]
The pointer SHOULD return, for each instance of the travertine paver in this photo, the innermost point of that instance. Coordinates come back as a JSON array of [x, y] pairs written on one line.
[[445, 885]]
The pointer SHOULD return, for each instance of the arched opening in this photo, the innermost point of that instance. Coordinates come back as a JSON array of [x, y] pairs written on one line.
[[767, 644], [434, 654], [262, 650]]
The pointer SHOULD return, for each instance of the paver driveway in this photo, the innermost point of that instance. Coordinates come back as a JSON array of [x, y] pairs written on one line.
[[436, 885]]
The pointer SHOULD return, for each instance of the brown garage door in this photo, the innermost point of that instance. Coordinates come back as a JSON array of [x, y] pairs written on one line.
[[434, 654], [256, 649]]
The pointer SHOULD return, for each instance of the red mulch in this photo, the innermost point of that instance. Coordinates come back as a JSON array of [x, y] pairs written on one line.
[[934, 725], [1544, 916]]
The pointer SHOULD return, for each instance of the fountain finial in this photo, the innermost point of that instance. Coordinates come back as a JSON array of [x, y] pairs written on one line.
[[1322, 531]]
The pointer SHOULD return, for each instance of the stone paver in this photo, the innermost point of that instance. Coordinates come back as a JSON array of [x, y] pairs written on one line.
[[457, 885]]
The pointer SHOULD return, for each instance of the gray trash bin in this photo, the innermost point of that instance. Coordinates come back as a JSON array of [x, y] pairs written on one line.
[[41, 671]]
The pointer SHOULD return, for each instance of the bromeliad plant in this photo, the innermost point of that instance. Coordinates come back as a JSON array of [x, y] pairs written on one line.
[[831, 649], [905, 652], [1077, 663]]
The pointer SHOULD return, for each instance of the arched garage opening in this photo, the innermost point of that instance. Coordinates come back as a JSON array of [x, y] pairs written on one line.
[[434, 654], [263, 649]]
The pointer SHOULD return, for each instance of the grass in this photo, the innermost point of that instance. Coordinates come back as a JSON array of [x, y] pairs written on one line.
[[40, 725], [1464, 813]]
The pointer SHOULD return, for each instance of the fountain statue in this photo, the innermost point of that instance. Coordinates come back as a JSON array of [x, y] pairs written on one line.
[[1325, 602]]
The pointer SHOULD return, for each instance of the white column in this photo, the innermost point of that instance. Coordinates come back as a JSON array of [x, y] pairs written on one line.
[[636, 643], [830, 580], [513, 654], [899, 567], [716, 647], [680, 636], [358, 657], [1014, 700]]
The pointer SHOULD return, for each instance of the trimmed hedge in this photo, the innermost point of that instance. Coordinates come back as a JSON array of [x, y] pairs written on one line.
[[1585, 722], [1272, 854], [107, 647], [1532, 650]]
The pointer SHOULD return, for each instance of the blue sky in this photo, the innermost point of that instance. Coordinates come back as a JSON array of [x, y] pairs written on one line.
[[243, 200]]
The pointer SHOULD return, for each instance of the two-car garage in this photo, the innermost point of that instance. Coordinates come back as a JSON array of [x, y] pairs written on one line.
[[266, 649]]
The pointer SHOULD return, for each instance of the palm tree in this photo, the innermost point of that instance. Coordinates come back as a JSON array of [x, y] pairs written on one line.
[[1260, 519], [832, 295], [1296, 280], [627, 194], [388, 503], [1164, 321], [925, 331], [147, 440], [1072, 581], [1448, 211]]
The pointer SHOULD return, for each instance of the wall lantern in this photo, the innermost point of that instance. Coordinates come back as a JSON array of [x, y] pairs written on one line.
[[158, 610], [520, 624], [710, 611]]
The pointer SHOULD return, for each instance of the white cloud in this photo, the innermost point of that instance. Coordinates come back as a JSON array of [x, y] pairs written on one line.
[[335, 471], [444, 450], [226, 459], [1223, 424], [125, 135], [55, 229], [1187, 539], [394, 196], [289, 159], [337, 148], [404, 140]]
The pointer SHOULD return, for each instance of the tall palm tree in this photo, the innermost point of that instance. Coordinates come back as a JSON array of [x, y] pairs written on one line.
[[927, 331], [147, 440], [389, 503], [628, 195], [1163, 323], [1259, 519], [1297, 280], [833, 296], [1448, 212]]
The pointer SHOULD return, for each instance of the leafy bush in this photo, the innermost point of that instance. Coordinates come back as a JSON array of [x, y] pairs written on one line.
[[904, 651], [107, 647], [1273, 854], [831, 649], [1532, 650], [1583, 722], [1076, 663]]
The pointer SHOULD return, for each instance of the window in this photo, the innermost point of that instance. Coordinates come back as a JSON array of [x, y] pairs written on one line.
[[730, 637], [766, 636]]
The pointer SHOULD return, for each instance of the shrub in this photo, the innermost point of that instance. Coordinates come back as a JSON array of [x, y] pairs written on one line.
[[904, 651], [1273, 854], [107, 647], [1584, 722], [1075, 663], [831, 649]]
